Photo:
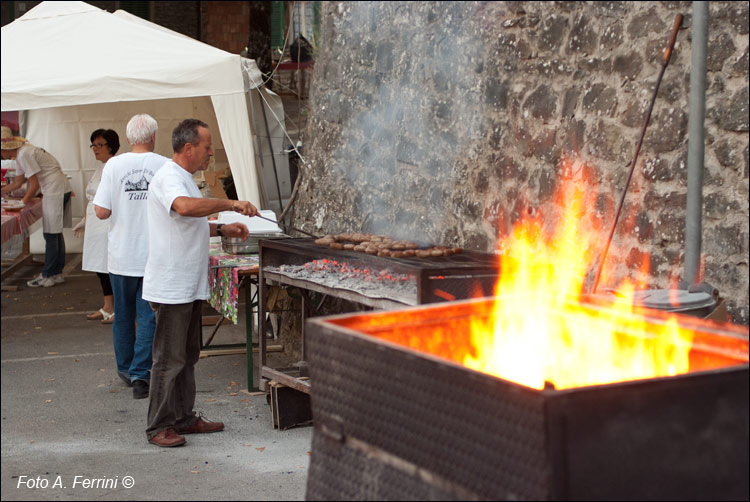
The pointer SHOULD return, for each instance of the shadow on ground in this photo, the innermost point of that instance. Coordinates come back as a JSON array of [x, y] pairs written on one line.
[[71, 429]]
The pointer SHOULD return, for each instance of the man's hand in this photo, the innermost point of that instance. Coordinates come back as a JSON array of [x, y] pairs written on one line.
[[236, 229], [244, 207]]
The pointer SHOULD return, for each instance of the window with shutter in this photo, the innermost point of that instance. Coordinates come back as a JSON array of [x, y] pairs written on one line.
[[277, 26]]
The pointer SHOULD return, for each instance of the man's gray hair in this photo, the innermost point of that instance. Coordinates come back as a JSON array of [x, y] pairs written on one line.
[[140, 129]]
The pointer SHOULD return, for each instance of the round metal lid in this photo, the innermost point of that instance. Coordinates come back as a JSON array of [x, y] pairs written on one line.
[[673, 300]]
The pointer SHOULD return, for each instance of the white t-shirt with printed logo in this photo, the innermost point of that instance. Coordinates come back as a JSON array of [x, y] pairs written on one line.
[[124, 191], [177, 268]]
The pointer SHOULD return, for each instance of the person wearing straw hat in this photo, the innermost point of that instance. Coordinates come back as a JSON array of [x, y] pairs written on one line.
[[43, 172]]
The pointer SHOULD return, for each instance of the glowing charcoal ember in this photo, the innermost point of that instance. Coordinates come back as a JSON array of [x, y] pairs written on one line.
[[342, 275], [463, 275]]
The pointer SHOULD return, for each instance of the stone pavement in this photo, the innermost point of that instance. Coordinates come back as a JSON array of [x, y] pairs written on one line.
[[71, 429]]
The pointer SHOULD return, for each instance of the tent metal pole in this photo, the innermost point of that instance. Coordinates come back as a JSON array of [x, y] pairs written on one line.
[[273, 154], [259, 153]]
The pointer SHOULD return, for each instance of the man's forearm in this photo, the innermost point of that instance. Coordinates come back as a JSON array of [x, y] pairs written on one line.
[[12, 186], [195, 207], [101, 212], [33, 187]]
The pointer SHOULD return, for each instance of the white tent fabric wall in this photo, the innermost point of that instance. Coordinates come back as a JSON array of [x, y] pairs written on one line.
[[65, 133], [274, 153], [77, 68]]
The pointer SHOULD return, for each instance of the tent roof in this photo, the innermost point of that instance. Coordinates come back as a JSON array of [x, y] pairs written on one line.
[[72, 53]]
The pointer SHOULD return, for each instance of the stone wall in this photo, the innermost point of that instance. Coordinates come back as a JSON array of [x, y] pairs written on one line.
[[448, 122]]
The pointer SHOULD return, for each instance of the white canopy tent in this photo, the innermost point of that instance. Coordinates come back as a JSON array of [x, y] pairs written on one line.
[[71, 68]]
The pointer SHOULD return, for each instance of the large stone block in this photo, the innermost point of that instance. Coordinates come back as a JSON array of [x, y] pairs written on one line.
[[734, 14], [545, 146], [718, 206], [606, 142], [628, 65], [644, 227], [384, 57], [570, 103], [496, 93], [612, 37], [732, 115], [656, 169], [574, 136], [645, 23], [634, 112], [600, 99], [728, 153], [542, 103], [583, 38], [720, 48], [725, 240], [675, 201], [551, 34], [670, 227], [740, 66], [667, 130], [616, 9], [408, 152]]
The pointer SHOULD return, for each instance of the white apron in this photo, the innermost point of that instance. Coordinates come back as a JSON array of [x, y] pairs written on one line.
[[95, 235], [52, 182], [52, 213]]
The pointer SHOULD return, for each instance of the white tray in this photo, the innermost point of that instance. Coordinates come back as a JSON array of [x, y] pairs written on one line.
[[254, 225]]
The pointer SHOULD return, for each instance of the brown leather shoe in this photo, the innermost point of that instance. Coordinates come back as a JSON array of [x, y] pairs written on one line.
[[167, 438], [201, 427]]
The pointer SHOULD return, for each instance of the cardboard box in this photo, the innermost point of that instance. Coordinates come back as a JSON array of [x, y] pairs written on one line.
[[214, 183]]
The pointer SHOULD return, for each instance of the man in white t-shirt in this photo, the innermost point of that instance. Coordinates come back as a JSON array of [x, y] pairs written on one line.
[[176, 281], [122, 197]]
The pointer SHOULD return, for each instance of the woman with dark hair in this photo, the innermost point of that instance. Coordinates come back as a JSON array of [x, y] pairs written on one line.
[[105, 143]]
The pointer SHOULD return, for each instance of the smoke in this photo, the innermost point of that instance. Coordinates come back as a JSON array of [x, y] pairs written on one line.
[[418, 111]]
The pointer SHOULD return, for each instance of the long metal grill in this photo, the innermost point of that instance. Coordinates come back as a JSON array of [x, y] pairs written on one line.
[[444, 278]]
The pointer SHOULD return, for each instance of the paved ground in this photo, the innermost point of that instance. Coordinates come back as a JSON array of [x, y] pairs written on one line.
[[67, 419]]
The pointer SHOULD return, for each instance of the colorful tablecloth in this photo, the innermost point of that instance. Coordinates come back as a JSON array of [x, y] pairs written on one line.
[[18, 222], [223, 278]]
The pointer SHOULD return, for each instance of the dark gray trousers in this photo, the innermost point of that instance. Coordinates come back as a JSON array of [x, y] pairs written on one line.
[[177, 346]]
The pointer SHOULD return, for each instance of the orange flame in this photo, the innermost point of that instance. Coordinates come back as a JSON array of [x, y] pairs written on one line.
[[539, 331]]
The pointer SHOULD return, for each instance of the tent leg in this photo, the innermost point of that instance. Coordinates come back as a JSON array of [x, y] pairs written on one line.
[[273, 154]]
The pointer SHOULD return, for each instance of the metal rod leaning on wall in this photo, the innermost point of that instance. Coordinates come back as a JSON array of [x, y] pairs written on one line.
[[696, 142], [293, 196], [665, 61]]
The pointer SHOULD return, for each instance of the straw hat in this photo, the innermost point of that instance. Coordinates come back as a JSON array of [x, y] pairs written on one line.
[[10, 142]]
